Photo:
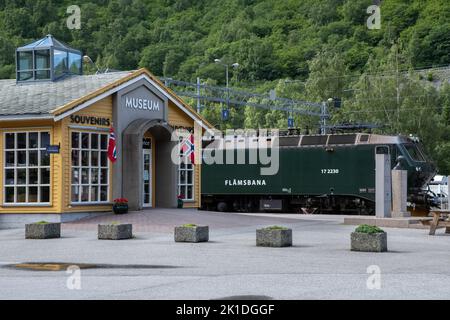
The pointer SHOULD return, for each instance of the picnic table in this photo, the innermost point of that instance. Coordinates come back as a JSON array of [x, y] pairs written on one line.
[[440, 219]]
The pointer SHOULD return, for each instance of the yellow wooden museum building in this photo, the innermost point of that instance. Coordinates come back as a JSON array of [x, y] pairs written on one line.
[[54, 128]]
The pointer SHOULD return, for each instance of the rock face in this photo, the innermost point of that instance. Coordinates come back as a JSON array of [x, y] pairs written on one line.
[[115, 231], [369, 242], [274, 237], [42, 230], [191, 234]]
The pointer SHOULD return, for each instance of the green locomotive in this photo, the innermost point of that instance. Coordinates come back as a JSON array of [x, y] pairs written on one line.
[[332, 173]]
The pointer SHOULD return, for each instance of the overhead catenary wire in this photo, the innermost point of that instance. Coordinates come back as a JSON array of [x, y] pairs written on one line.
[[442, 67], [241, 98], [216, 94]]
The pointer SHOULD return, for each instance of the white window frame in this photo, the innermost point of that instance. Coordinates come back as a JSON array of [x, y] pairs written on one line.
[[186, 170], [90, 168], [26, 167]]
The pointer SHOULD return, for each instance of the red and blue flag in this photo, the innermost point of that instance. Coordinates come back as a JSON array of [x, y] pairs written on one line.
[[188, 148], [112, 150]]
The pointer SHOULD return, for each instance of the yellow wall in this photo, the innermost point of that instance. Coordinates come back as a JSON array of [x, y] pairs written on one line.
[[198, 131], [55, 163], [103, 109], [176, 117]]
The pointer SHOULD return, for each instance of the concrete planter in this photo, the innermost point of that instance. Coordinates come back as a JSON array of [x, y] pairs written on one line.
[[115, 231], [191, 234], [369, 242], [42, 230], [270, 237]]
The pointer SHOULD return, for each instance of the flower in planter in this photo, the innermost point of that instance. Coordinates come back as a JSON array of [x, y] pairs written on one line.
[[120, 205], [180, 201]]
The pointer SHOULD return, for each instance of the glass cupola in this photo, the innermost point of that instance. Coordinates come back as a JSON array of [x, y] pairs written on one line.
[[47, 59]]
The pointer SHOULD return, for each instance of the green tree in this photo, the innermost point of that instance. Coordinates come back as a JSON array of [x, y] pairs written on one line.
[[327, 76]]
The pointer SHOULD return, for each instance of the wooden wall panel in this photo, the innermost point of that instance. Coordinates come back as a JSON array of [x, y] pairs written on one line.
[[102, 108], [177, 118]]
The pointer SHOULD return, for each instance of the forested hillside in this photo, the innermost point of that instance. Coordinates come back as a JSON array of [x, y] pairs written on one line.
[[304, 49]]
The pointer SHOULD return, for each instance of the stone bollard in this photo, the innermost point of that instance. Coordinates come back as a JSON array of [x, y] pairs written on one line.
[[274, 236], [43, 230], [115, 231], [191, 233], [382, 182], [399, 194]]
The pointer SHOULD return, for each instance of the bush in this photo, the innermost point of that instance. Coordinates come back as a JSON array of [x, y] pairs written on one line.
[[365, 228], [189, 225], [275, 228]]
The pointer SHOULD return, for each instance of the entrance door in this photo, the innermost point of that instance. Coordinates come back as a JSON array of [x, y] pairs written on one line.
[[147, 178]]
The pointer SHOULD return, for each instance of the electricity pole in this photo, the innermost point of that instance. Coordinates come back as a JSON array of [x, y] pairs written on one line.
[[234, 65], [323, 118], [198, 95]]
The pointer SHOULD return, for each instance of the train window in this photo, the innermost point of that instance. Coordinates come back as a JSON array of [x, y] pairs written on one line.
[[382, 150], [422, 152], [342, 139], [289, 141], [413, 152], [364, 138], [314, 140], [395, 152]]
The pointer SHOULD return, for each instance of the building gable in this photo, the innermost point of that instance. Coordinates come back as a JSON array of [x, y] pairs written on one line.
[[156, 88]]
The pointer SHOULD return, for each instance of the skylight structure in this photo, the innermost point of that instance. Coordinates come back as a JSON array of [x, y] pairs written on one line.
[[47, 60]]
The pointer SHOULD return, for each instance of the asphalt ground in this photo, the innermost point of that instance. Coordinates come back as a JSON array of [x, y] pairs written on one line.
[[320, 264]]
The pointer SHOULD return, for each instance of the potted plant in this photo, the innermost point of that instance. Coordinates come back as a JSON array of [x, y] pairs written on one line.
[[274, 236], [191, 233], [180, 201], [120, 205], [368, 239], [115, 231], [42, 230]]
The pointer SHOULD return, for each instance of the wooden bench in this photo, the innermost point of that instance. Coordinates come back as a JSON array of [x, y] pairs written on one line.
[[440, 219]]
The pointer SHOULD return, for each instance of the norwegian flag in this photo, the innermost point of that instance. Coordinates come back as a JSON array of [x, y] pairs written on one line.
[[112, 151], [188, 148]]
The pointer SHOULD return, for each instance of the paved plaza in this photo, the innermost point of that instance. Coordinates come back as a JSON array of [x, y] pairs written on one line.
[[152, 266]]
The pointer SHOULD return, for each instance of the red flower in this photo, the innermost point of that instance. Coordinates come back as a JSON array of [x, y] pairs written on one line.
[[121, 200]]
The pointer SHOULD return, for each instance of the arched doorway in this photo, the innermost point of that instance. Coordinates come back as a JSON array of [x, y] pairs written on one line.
[[133, 169]]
